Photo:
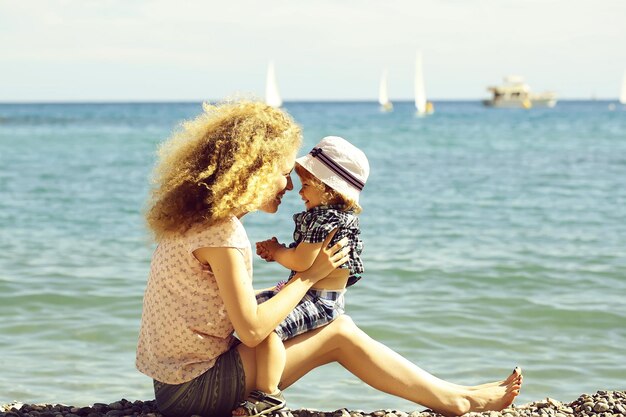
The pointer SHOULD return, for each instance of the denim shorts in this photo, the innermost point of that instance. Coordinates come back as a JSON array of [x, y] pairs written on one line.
[[215, 393]]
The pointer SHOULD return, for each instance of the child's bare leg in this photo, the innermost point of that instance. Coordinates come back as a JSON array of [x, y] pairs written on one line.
[[270, 360]]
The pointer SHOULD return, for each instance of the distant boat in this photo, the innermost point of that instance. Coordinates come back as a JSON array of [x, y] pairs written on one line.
[[622, 95], [383, 94], [515, 94], [272, 95], [422, 106]]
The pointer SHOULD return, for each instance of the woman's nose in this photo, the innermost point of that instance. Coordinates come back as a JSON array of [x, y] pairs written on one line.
[[289, 185]]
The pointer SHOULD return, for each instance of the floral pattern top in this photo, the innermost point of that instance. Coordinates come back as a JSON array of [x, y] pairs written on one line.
[[184, 325]]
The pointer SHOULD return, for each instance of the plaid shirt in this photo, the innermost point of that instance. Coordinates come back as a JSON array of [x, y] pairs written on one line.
[[314, 225]]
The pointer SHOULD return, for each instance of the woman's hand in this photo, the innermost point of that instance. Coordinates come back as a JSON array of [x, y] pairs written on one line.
[[328, 259]]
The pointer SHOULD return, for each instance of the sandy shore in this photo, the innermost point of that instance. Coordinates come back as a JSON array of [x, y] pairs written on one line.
[[600, 404]]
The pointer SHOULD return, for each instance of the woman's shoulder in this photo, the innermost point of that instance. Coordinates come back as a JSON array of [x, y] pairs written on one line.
[[225, 233]]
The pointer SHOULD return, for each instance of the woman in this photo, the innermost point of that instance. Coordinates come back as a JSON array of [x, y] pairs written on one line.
[[231, 160]]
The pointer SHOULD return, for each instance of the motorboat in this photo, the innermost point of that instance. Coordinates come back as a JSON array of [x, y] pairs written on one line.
[[516, 94]]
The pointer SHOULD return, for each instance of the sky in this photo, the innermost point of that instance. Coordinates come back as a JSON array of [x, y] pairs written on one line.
[[190, 50]]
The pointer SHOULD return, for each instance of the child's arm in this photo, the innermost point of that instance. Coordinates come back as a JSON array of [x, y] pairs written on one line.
[[299, 258]]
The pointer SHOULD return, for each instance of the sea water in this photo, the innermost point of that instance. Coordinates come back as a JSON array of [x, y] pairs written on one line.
[[493, 238]]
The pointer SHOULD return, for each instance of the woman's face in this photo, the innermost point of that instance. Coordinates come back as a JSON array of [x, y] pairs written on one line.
[[282, 184]]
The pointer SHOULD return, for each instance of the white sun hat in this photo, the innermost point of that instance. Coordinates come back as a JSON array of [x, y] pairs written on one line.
[[338, 164]]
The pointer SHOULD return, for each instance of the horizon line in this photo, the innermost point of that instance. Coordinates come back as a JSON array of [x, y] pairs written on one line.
[[294, 101]]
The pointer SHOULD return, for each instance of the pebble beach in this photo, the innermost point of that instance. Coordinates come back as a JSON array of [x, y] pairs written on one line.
[[600, 404]]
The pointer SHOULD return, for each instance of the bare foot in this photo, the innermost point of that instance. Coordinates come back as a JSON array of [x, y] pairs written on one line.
[[516, 374], [495, 396]]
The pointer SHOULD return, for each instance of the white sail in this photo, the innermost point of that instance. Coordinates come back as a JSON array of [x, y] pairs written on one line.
[[420, 92], [622, 95], [383, 94], [272, 95]]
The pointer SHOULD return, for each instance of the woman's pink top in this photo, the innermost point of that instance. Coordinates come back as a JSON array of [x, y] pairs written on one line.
[[184, 325]]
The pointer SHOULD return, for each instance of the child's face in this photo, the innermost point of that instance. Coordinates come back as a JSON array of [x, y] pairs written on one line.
[[311, 195]]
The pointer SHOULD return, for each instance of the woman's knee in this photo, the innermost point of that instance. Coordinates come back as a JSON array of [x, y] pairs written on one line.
[[345, 323], [345, 329]]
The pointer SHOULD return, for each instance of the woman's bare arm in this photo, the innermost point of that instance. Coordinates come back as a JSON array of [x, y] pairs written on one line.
[[254, 322]]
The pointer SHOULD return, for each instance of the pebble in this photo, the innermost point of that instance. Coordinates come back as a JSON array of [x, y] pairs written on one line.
[[600, 407], [601, 404]]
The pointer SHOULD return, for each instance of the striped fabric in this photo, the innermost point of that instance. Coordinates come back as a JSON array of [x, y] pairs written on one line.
[[316, 309], [337, 168]]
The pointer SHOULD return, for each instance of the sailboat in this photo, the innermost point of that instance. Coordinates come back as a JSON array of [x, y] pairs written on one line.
[[422, 106], [272, 95], [383, 94], [622, 94]]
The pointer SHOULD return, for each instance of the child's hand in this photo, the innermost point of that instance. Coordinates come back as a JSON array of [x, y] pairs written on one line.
[[267, 248], [262, 251]]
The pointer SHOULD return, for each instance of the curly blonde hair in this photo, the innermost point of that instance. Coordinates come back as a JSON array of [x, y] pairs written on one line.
[[328, 194], [224, 162]]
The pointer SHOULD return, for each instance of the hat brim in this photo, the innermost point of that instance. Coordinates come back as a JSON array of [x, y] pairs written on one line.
[[328, 177]]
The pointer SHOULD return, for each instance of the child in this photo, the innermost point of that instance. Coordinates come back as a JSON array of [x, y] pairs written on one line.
[[332, 176]]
